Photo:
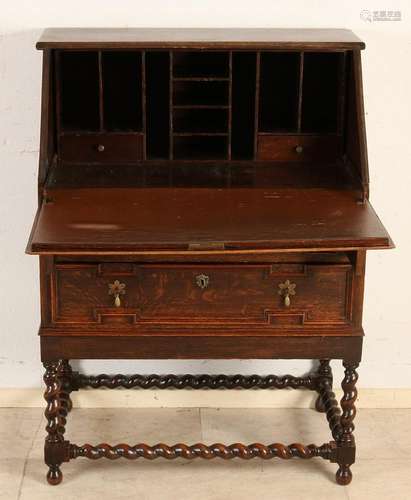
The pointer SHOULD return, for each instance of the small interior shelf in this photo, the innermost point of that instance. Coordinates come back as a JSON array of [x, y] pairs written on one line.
[[205, 134], [203, 147], [200, 120], [201, 79], [200, 93], [200, 64], [199, 106]]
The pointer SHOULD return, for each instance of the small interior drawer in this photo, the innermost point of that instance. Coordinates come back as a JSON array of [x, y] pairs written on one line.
[[235, 295], [298, 148], [101, 148]]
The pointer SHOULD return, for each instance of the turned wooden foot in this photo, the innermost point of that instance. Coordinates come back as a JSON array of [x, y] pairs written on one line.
[[343, 475], [54, 475], [346, 441], [56, 449]]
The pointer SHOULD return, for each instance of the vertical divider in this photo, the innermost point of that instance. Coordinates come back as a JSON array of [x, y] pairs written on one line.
[[257, 103], [230, 117], [170, 117], [341, 93], [57, 86], [300, 93], [171, 152], [230, 103], [143, 103], [100, 91]]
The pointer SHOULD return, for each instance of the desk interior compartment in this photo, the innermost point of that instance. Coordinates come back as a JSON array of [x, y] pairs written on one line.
[[122, 90], [200, 93], [279, 91], [157, 85], [196, 64], [78, 90], [322, 81], [200, 147], [243, 103], [200, 120]]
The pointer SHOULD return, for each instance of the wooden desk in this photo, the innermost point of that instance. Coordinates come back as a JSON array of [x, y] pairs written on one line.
[[202, 194]]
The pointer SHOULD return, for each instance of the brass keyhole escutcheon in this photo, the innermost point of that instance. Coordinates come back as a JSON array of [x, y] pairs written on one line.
[[286, 290], [202, 281], [117, 289]]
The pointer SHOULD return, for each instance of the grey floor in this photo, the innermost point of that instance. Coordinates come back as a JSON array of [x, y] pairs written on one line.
[[383, 468]]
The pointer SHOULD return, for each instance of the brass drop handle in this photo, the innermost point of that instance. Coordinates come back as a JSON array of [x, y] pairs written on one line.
[[287, 289], [117, 289], [100, 148]]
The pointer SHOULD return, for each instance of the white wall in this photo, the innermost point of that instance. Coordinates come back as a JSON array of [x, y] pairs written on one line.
[[387, 81]]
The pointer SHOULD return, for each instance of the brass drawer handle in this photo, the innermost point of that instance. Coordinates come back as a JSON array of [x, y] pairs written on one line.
[[285, 290], [202, 281], [117, 289], [100, 148]]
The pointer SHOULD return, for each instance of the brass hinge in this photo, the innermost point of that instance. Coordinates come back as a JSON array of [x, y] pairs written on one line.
[[207, 245]]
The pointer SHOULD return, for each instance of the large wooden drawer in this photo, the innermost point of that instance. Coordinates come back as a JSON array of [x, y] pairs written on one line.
[[205, 296]]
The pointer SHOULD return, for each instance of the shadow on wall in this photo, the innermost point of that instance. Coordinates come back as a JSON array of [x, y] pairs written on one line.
[[20, 86], [20, 83]]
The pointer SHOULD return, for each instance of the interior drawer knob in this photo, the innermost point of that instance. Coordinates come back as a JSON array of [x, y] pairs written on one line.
[[299, 149], [117, 289], [202, 281], [286, 290], [100, 148]]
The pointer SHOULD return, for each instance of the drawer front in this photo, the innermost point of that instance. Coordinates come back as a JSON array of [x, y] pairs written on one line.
[[299, 148], [238, 296], [101, 148]]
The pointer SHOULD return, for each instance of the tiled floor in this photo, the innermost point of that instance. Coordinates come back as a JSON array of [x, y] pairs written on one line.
[[383, 468]]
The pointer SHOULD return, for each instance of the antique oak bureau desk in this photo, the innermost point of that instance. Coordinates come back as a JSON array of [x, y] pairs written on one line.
[[202, 194]]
